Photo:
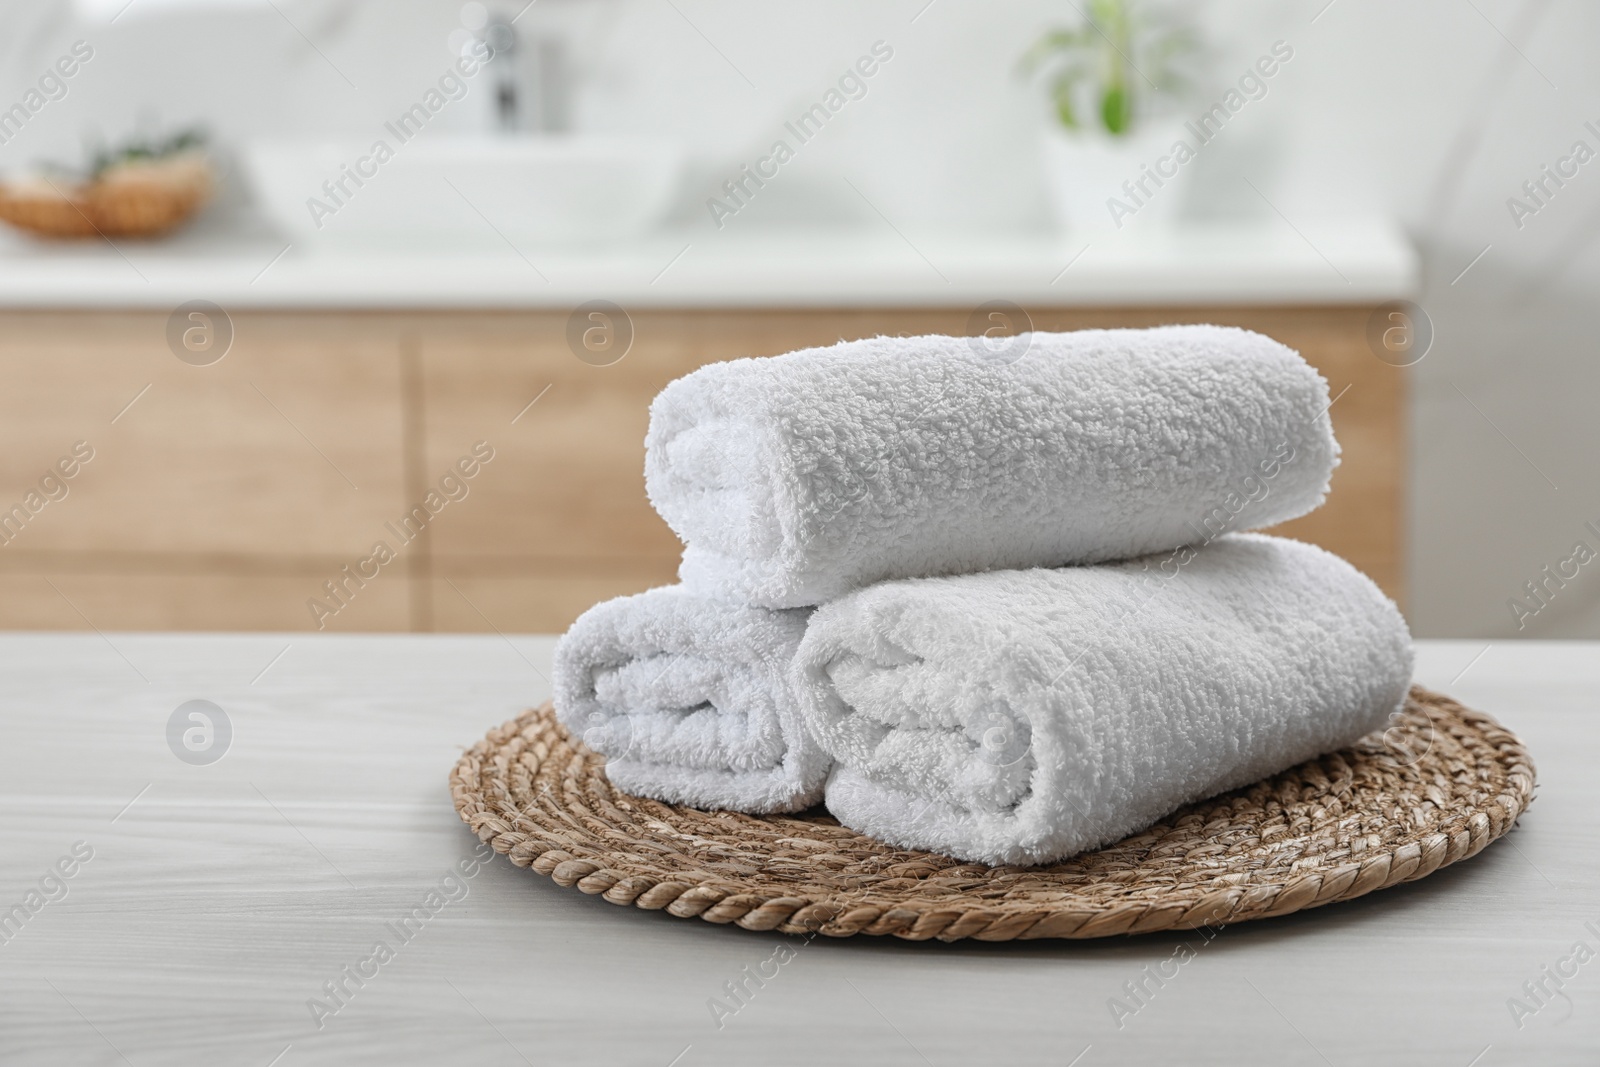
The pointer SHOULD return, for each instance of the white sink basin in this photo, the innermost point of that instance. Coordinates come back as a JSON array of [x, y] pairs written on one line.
[[464, 189]]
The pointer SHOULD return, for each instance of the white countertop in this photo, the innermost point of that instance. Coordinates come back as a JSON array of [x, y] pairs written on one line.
[[220, 899], [1270, 262]]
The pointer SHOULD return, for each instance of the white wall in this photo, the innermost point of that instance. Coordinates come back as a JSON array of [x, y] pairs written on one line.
[[1433, 111]]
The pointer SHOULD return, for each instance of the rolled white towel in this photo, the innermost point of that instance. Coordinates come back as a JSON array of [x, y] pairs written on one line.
[[796, 478], [689, 700], [1024, 716]]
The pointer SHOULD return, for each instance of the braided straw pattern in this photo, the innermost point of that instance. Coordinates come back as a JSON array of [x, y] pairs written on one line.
[[1436, 787]]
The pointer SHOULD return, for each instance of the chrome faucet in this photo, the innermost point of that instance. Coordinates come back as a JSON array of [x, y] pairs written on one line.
[[546, 110]]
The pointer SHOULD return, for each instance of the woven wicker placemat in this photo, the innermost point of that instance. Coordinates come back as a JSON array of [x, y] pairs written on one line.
[[1436, 787]]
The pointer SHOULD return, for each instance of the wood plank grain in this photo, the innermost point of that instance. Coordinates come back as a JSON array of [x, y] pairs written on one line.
[[288, 445], [221, 899], [84, 596], [305, 443]]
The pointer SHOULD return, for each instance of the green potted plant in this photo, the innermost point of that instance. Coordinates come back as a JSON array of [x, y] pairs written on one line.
[[1111, 81]]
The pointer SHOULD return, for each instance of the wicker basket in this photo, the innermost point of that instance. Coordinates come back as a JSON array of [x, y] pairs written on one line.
[[1435, 788], [137, 199]]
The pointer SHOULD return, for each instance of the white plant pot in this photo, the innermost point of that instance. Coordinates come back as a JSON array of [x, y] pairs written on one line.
[[1086, 173]]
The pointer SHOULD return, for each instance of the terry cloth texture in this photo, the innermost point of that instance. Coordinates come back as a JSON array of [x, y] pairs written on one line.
[[795, 479], [689, 700], [1024, 716]]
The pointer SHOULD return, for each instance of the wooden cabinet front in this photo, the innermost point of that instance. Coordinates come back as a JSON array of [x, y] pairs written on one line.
[[242, 494]]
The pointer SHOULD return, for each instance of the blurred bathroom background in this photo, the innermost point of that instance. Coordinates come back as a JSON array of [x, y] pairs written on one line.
[[1429, 115]]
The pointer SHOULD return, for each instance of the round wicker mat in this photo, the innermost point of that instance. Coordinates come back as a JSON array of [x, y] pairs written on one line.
[[1436, 787]]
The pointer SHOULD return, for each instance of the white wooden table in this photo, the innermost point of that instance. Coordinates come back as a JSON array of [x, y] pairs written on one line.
[[220, 898]]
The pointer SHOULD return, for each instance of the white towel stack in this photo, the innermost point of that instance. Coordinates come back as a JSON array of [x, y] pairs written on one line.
[[982, 678]]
